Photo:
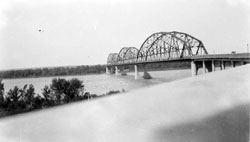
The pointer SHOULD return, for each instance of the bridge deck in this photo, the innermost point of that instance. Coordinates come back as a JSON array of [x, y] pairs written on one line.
[[234, 56]]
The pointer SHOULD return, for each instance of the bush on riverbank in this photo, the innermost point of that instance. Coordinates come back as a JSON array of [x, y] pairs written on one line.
[[59, 92]]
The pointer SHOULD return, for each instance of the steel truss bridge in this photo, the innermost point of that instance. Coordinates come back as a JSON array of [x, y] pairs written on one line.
[[169, 47]]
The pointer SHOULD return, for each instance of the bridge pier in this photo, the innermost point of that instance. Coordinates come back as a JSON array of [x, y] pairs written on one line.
[[222, 65], [193, 68], [213, 66], [146, 75], [123, 71], [108, 71], [203, 67], [232, 64], [116, 71], [136, 72]]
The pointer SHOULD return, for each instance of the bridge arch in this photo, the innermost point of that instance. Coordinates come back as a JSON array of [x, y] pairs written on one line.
[[122, 54], [112, 58], [165, 45], [131, 55]]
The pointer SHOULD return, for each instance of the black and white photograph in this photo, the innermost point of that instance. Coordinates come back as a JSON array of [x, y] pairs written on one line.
[[124, 71]]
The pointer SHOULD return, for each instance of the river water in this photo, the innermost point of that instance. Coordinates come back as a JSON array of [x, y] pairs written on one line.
[[102, 83]]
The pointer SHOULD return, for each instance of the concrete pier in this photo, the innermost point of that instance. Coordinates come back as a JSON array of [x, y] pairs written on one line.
[[193, 68], [222, 65], [107, 70], [116, 71], [203, 67], [136, 72], [232, 64], [213, 66]]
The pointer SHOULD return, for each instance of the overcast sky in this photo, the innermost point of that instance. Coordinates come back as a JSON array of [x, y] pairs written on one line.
[[84, 32]]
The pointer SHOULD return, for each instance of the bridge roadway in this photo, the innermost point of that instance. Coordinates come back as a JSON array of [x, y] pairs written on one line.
[[206, 62]]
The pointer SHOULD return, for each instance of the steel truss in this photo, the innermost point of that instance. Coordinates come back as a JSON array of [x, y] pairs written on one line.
[[160, 46]]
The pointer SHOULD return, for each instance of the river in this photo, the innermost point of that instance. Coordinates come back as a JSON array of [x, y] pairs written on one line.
[[102, 83]]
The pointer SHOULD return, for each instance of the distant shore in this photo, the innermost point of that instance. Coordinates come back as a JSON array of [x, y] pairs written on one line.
[[80, 70]]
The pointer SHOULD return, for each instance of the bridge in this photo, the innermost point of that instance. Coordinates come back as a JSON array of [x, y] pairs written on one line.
[[164, 47]]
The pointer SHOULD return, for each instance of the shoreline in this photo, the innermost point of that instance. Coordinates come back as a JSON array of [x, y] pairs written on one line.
[[58, 76]]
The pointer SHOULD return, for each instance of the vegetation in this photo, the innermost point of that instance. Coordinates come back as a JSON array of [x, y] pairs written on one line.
[[59, 92], [55, 71], [82, 70]]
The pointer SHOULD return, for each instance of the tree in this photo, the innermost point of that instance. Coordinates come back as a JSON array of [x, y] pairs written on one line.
[[75, 88], [69, 90], [48, 99], [1, 93], [12, 99], [30, 94], [37, 102], [14, 94], [46, 93], [59, 87]]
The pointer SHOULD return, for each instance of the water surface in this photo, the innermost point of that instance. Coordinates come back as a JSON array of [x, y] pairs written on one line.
[[102, 83]]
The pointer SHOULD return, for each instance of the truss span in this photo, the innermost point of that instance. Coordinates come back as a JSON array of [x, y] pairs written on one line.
[[127, 55], [165, 45], [160, 46], [112, 58]]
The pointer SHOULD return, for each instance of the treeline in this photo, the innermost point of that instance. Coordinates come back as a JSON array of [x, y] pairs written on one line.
[[59, 92], [82, 70], [55, 71]]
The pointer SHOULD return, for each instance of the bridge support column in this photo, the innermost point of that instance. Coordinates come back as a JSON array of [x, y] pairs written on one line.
[[193, 68], [136, 72], [107, 70], [203, 67], [232, 64], [146, 75], [213, 67], [222, 65], [116, 71]]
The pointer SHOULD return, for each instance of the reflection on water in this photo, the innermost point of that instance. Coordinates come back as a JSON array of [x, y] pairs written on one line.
[[100, 84]]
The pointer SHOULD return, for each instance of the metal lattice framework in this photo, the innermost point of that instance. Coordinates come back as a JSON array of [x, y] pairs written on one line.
[[160, 46], [131, 55], [112, 58], [122, 54], [165, 45], [127, 55]]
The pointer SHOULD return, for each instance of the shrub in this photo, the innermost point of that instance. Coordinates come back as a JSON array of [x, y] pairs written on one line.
[[1, 93], [68, 90]]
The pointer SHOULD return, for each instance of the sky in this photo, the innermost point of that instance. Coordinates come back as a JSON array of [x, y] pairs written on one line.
[[45, 33]]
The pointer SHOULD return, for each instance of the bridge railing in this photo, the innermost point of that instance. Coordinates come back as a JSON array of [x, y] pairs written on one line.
[[169, 58], [231, 55]]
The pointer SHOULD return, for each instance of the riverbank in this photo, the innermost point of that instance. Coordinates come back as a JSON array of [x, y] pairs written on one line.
[[80, 70], [211, 107], [59, 92]]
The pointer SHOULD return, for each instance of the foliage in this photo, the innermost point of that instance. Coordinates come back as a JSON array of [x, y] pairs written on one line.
[[60, 91], [67, 89], [55, 71], [1, 93]]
